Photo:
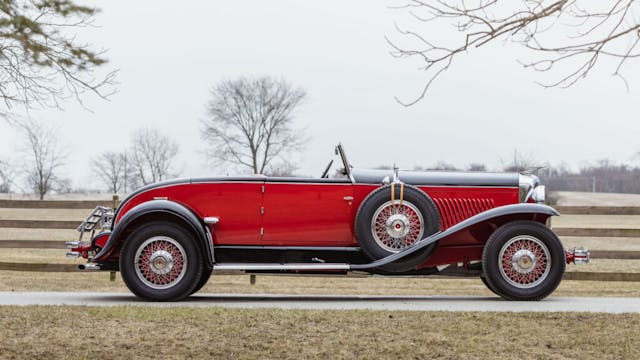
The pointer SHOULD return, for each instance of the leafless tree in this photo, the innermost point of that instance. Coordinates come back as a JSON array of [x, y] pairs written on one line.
[[152, 155], [570, 36], [6, 177], [522, 163], [44, 157], [477, 167], [41, 61], [250, 122], [443, 166], [109, 167]]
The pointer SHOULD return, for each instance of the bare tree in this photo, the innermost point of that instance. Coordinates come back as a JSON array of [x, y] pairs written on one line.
[[41, 62], [250, 122], [43, 156], [109, 167], [6, 177], [568, 35], [444, 166], [477, 167], [522, 163], [152, 155]]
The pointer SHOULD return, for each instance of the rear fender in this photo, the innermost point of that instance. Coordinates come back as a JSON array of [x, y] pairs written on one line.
[[496, 216], [153, 210]]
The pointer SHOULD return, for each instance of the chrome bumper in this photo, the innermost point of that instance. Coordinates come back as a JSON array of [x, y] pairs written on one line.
[[577, 255]]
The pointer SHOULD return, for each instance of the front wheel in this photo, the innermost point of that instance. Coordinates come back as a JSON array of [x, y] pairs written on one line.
[[523, 260], [161, 262]]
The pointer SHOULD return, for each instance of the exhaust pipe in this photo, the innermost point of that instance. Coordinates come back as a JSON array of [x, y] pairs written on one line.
[[89, 267]]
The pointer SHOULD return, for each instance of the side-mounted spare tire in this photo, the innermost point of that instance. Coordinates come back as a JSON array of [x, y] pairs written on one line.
[[386, 225]]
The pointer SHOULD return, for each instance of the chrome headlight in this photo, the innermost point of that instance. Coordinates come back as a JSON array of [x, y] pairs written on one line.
[[530, 188], [539, 194]]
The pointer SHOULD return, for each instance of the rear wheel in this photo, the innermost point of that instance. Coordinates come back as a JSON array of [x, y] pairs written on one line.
[[523, 260], [206, 274], [161, 262]]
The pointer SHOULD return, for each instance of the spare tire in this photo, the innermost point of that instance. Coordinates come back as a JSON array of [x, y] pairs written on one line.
[[384, 226]]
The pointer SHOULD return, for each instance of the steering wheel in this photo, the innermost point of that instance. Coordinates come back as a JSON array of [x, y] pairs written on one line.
[[325, 173]]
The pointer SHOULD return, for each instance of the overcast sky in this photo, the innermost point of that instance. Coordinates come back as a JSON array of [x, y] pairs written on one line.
[[481, 110]]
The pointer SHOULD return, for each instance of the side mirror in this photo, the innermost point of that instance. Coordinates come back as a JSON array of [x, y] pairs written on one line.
[[336, 151]]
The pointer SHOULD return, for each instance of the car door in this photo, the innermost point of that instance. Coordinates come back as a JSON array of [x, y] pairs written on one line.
[[310, 212]]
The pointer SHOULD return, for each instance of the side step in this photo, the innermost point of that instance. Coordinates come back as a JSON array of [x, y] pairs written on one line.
[[279, 267]]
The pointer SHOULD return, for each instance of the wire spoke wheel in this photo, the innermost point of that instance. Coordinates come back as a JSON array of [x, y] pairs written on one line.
[[524, 261], [160, 262], [395, 226]]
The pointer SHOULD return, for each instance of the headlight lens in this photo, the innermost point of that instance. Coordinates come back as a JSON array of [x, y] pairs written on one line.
[[528, 183], [539, 194]]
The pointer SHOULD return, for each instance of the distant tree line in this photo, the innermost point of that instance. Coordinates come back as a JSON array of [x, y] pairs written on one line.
[[38, 168], [603, 176]]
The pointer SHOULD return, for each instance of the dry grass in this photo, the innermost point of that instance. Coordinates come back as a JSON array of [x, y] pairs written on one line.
[[126, 332], [57, 256], [300, 285], [38, 234], [42, 256], [597, 221], [574, 198], [620, 244], [44, 214]]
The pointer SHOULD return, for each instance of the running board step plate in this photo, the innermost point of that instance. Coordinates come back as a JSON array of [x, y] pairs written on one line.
[[279, 267]]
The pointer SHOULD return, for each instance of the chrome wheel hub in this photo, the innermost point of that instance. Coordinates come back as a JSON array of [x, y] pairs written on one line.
[[398, 226], [161, 262], [523, 261]]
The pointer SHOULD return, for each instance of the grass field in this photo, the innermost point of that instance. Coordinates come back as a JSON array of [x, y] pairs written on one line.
[[303, 285], [126, 332]]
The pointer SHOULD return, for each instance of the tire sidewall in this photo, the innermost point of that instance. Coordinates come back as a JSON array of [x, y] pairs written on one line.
[[490, 261], [193, 256]]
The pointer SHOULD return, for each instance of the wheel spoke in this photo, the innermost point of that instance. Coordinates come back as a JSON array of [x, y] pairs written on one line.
[[160, 262], [524, 261]]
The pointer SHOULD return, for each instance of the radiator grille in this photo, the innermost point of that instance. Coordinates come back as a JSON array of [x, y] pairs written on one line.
[[455, 210]]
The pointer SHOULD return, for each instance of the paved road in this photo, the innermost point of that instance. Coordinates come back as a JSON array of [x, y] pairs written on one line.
[[335, 302]]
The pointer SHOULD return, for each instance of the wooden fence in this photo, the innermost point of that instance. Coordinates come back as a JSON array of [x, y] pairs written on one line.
[[561, 231]]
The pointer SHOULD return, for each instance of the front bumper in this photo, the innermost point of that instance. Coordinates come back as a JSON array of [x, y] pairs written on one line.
[[577, 256]]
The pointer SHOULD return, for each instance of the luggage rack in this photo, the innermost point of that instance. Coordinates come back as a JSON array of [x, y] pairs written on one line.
[[99, 219]]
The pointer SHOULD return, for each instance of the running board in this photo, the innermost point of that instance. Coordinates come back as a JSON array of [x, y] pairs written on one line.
[[279, 267]]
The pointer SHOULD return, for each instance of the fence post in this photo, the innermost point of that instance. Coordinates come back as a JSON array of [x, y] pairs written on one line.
[[116, 201]]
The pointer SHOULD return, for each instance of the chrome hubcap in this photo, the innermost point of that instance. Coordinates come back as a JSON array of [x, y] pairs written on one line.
[[523, 261], [161, 262], [398, 226]]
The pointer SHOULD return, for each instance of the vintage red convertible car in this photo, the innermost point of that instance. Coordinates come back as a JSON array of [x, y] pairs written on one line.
[[168, 238]]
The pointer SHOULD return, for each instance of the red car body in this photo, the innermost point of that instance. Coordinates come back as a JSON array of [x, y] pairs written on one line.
[[266, 224]]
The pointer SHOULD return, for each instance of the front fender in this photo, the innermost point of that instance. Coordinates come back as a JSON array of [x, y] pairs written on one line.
[[526, 208], [159, 207]]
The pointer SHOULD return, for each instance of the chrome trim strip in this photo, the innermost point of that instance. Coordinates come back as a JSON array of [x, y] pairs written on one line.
[[279, 267], [293, 248], [211, 220]]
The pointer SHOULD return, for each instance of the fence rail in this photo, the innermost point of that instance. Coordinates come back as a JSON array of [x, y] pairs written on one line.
[[56, 204], [89, 204], [598, 210]]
